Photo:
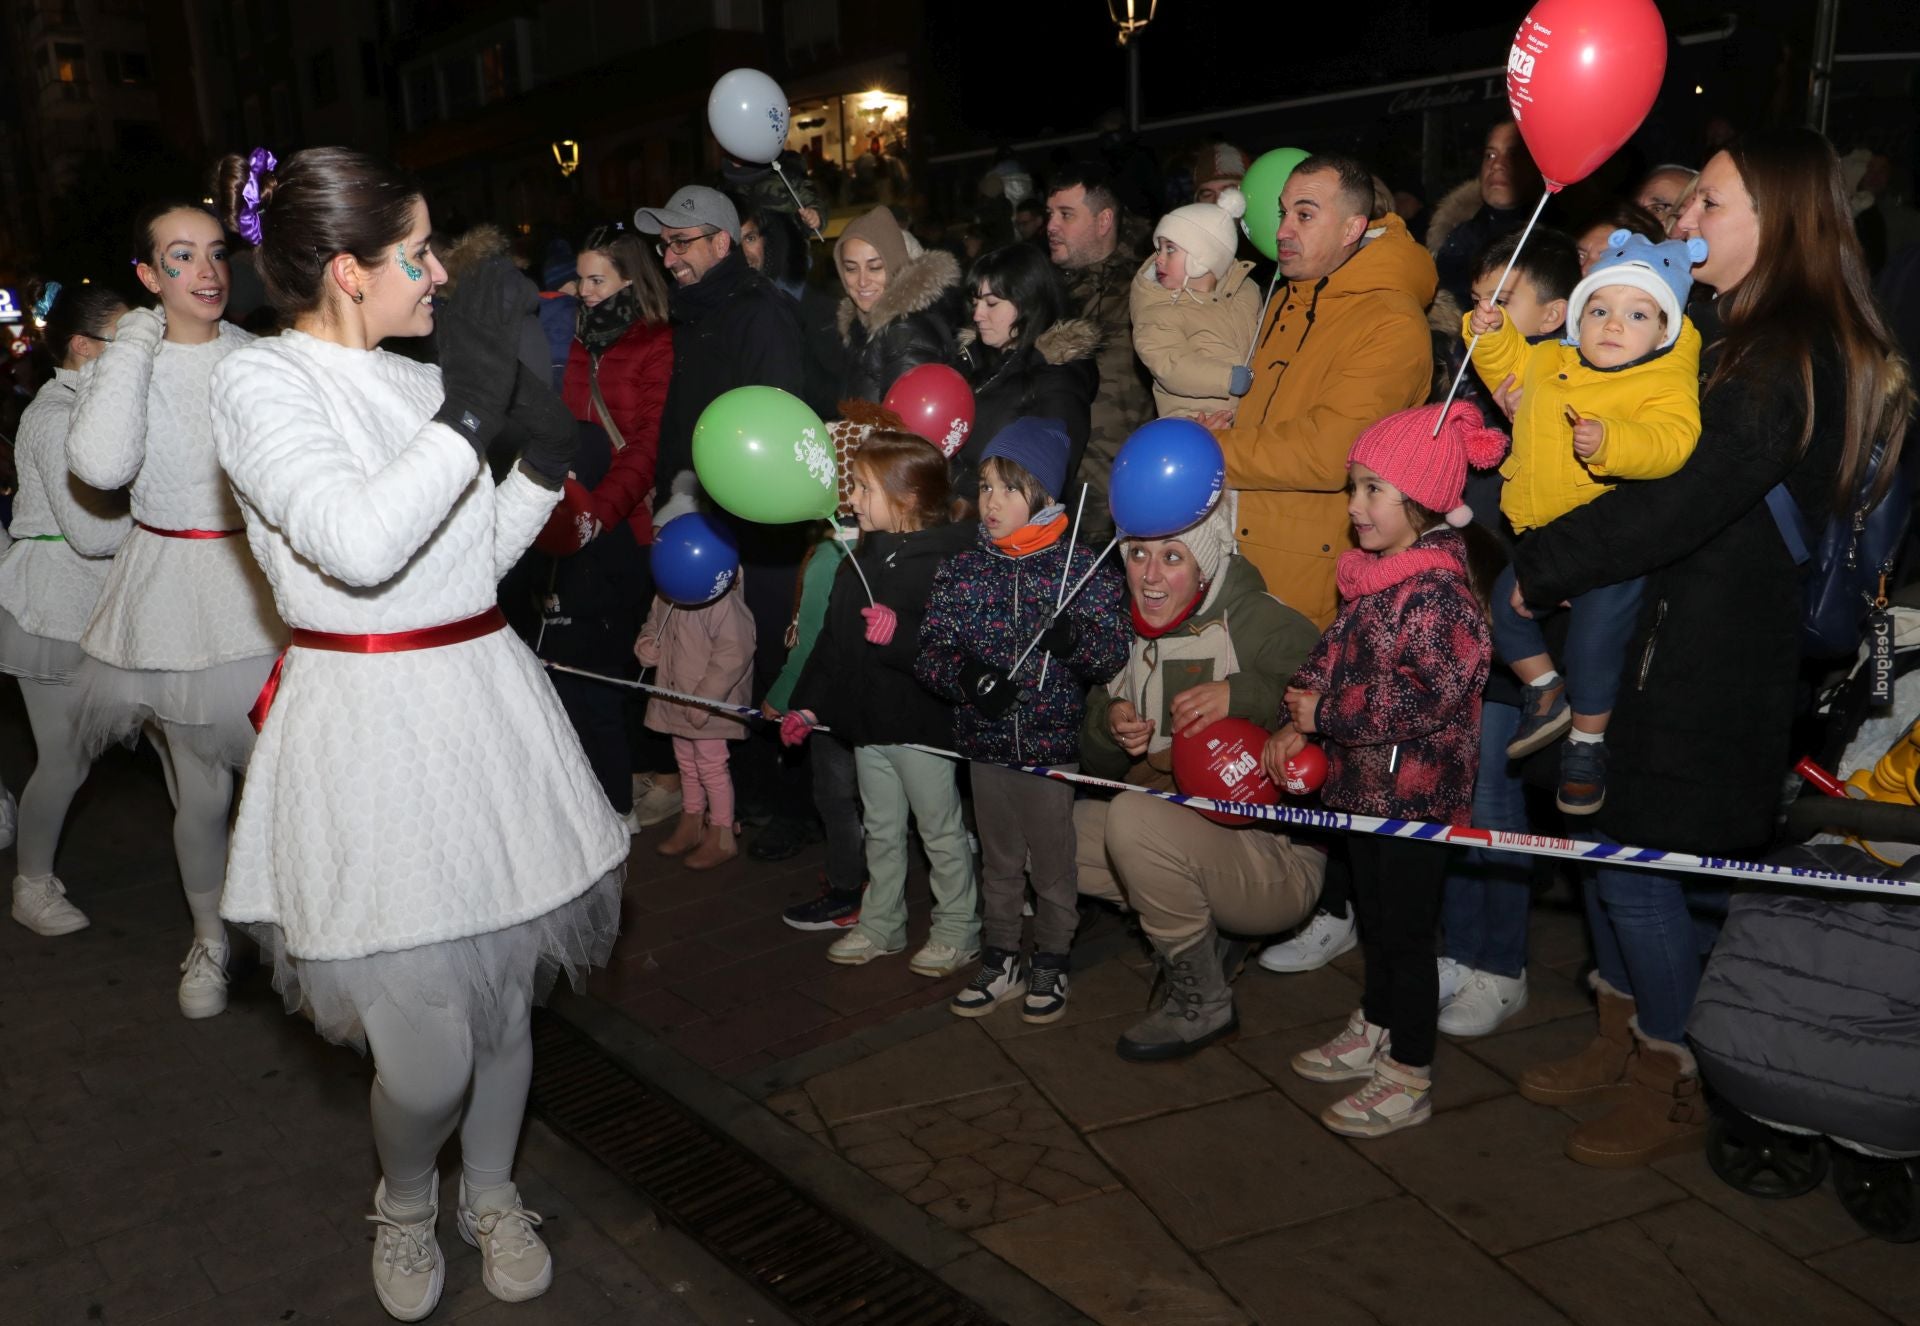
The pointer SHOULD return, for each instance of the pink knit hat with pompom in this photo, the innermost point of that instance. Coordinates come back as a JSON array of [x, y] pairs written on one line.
[[1403, 450]]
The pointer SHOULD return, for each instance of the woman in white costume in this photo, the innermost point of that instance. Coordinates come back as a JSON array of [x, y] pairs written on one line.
[[65, 535], [185, 632], [421, 842]]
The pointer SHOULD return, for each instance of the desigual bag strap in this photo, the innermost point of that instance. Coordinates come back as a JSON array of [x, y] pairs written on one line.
[[600, 404]]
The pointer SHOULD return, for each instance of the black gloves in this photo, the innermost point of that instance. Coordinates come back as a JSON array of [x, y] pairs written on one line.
[[988, 689], [549, 427], [477, 333], [1060, 638]]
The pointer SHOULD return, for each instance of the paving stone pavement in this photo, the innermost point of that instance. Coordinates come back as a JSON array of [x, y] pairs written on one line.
[[158, 1170]]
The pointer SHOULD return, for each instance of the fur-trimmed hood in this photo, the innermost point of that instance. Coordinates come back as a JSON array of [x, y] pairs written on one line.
[[1461, 202], [1443, 315], [923, 283], [1065, 341], [475, 246]]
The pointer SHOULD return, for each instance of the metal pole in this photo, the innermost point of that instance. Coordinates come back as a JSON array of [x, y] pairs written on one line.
[[1133, 84], [1826, 27]]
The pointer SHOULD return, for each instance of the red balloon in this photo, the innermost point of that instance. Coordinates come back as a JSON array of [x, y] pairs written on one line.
[[1581, 76], [1222, 762], [1305, 771], [936, 403]]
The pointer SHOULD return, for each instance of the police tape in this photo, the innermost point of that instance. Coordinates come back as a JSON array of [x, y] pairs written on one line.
[[1340, 821]]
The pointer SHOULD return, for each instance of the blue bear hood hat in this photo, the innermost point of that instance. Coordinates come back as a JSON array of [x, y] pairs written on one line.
[[1663, 270]]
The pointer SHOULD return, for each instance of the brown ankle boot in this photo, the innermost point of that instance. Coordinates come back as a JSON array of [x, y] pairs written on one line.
[[716, 848], [686, 836], [1662, 1114], [1599, 1069]]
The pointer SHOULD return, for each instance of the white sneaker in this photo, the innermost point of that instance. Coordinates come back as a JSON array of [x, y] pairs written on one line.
[[1486, 1001], [41, 906], [856, 948], [408, 1270], [9, 817], [514, 1262], [1453, 979], [1355, 1052], [937, 959], [1325, 938], [1395, 1097], [203, 984], [653, 804]]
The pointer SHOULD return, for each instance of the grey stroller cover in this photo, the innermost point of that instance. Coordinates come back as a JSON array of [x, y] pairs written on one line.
[[1809, 1012]]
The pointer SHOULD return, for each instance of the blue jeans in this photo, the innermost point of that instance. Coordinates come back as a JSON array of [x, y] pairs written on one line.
[[1652, 932], [1487, 894], [1597, 636]]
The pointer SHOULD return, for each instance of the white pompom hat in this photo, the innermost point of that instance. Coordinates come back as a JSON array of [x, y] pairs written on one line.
[[1206, 231]]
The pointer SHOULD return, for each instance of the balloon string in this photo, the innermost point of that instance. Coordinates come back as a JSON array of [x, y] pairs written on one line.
[[1495, 300], [847, 536], [1078, 586], [1066, 568], [797, 203], [1261, 321]]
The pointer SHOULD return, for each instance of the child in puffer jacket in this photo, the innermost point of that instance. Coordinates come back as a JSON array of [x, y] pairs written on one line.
[[1394, 687], [987, 604]]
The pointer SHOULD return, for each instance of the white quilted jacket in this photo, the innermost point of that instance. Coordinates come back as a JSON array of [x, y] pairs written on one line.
[[394, 799], [177, 605], [50, 586]]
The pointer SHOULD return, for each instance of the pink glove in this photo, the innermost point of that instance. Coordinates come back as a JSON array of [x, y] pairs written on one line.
[[795, 728], [880, 623]]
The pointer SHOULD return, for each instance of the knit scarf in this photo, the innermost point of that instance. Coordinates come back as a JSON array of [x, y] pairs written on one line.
[[604, 323], [1148, 631], [1042, 532], [1360, 572]]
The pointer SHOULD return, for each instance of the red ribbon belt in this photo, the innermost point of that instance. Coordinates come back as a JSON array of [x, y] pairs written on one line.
[[394, 642], [189, 533]]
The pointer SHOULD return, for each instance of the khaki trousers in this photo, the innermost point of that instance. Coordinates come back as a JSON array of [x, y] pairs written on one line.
[[1181, 871]]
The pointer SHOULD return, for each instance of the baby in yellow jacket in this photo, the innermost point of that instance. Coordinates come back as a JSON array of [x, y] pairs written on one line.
[[1619, 398]]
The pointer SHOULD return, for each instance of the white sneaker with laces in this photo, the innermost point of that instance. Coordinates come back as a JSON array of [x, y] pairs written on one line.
[[408, 1270], [937, 959], [1325, 938], [1483, 1004], [1453, 978], [856, 948], [514, 1262], [652, 803], [1353, 1053], [1395, 1097], [41, 906], [203, 982]]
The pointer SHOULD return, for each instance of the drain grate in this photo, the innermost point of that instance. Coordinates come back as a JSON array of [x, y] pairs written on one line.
[[727, 1199]]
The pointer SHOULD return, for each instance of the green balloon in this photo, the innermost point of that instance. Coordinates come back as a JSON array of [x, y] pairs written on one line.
[[763, 455], [1265, 178]]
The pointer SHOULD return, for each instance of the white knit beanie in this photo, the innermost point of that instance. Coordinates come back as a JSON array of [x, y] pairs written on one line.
[[1206, 231]]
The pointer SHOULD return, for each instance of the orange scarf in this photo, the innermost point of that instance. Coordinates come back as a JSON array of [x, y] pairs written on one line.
[[1031, 538]]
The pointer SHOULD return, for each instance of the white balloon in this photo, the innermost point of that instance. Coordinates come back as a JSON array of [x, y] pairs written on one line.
[[747, 112]]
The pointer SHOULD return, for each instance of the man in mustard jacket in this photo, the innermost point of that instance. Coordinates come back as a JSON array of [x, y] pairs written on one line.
[[1345, 345]]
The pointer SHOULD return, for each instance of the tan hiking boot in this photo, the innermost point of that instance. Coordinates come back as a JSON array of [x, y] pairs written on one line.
[[1663, 1113], [1599, 1069]]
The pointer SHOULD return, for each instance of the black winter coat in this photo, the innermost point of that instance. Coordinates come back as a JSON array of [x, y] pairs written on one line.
[[734, 328], [1056, 377], [910, 324], [867, 693], [1699, 740]]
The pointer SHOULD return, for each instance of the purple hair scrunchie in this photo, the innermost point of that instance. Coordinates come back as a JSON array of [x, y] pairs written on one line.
[[247, 220]]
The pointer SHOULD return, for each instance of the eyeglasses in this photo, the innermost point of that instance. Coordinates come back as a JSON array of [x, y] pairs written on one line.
[[682, 245]]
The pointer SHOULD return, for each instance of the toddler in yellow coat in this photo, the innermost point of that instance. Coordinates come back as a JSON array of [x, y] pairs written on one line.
[[1618, 399]]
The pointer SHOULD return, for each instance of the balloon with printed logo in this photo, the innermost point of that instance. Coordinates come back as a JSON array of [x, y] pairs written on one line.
[[763, 455], [1305, 770], [1222, 762], [694, 559], [936, 403], [747, 112], [1266, 177], [1165, 479], [1581, 76]]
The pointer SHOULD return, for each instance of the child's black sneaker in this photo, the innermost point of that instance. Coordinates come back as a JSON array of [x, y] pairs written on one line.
[[1544, 719], [830, 911], [1046, 988], [1583, 777], [997, 981]]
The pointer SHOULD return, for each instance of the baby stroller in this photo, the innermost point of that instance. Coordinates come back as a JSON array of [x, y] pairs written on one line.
[[1807, 1025]]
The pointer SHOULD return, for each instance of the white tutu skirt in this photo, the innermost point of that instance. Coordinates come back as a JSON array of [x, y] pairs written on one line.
[[474, 978], [206, 709], [36, 657]]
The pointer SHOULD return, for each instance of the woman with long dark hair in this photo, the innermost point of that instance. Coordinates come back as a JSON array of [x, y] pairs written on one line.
[[1802, 382], [421, 845]]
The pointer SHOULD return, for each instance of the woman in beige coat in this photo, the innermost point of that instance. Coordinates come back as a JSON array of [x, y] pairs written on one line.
[[705, 650], [1195, 308]]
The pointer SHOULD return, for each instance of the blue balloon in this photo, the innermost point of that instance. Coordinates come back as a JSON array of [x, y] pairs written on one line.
[[1165, 479], [694, 559]]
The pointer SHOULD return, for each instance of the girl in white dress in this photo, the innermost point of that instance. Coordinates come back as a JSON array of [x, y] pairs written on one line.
[[185, 633], [421, 842], [65, 535]]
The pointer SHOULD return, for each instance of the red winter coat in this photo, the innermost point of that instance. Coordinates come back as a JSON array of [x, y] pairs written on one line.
[[633, 381]]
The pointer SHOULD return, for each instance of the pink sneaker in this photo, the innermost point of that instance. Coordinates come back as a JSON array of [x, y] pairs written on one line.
[[1396, 1098], [1351, 1054]]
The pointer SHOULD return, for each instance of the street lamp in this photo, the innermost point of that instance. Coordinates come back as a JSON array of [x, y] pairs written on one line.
[[566, 155], [1130, 17]]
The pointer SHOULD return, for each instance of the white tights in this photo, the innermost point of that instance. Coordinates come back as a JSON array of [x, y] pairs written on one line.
[[431, 1075], [202, 792], [58, 771]]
